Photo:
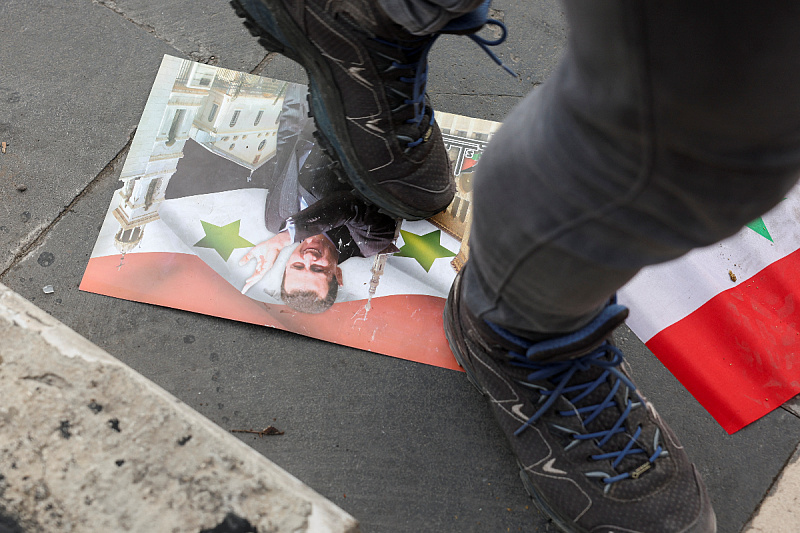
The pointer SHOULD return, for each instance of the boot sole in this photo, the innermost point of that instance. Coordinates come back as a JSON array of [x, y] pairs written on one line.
[[278, 32]]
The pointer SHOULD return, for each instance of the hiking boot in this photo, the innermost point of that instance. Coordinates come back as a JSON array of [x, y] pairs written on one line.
[[367, 78], [593, 453]]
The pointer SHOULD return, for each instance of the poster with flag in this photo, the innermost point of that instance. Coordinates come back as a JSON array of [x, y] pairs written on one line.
[[725, 319], [228, 207]]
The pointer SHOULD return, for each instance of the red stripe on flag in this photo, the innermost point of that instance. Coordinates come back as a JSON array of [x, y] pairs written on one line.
[[407, 326], [739, 354], [468, 163]]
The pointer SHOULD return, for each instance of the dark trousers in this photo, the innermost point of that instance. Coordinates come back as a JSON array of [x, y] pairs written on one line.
[[667, 126]]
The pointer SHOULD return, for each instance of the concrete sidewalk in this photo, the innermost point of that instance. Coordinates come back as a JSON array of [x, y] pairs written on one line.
[[87, 444], [399, 446]]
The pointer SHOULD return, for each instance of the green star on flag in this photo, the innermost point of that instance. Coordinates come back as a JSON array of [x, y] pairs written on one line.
[[425, 249], [760, 227], [223, 239]]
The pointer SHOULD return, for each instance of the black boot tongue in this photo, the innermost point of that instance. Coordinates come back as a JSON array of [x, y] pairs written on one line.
[[583, 341]]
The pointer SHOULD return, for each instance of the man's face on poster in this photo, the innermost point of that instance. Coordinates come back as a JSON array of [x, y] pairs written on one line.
[[312, 267]]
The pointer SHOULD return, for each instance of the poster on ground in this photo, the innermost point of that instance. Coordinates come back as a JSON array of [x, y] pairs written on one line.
[[227, 207]]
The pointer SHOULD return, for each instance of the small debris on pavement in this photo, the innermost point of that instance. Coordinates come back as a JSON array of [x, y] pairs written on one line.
[[3, 146], [731, 275], [48, 289], [64, 429], [22, 188], [267, 431]]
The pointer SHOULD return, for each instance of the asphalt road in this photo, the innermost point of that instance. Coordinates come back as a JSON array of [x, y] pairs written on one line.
[[401, 446]]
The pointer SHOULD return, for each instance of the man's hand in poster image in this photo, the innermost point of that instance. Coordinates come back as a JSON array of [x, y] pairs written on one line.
[[265, 254]]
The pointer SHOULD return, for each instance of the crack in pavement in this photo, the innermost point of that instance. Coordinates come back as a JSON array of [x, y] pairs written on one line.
[[791, 409], [35, 238], [32, 242], [112, 5], [258, 69], [201, 56]]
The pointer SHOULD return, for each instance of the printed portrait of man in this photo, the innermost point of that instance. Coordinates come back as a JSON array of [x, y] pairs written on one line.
[[312, 275], [307, 204]]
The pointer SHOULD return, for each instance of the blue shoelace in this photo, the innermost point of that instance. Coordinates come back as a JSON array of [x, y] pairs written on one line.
[[420, 67], [560, 374]]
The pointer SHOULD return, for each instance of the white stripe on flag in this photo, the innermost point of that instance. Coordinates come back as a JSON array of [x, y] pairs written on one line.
[[664, 294], [402, 275]]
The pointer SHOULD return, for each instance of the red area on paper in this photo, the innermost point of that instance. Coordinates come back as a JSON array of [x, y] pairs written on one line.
[[407, 326]]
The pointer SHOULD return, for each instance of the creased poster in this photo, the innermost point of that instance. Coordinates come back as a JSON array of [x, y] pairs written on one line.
[[227, 207]]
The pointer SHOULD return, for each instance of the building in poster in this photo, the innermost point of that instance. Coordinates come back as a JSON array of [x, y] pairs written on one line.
[[465, 139], [232, 114]]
